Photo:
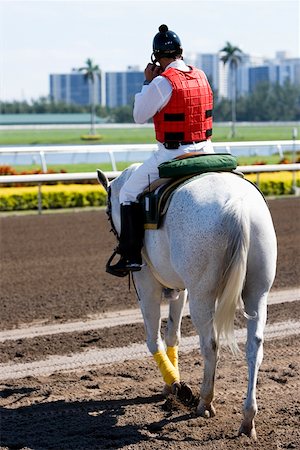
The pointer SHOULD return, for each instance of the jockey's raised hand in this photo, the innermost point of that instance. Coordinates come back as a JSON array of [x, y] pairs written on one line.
[[152, 71]]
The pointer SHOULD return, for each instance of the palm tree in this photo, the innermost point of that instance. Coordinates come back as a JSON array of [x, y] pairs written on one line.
[[90, 73], [232, 56]]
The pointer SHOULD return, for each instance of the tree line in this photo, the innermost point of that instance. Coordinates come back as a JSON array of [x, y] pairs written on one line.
[[268, 102], [45, 105]]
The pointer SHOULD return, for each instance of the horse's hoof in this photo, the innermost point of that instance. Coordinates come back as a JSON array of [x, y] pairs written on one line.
[[248, 431], [183, 392], [206, 411], [175, 387]]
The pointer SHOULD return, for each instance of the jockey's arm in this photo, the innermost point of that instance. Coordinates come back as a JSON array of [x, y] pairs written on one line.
[[152, 98]]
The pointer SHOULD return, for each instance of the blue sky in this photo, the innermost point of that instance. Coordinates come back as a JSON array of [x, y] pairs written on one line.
[[42, 37]]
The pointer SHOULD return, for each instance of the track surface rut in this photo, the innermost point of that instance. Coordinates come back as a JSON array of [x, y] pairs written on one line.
[[95, 357], [116, 318]]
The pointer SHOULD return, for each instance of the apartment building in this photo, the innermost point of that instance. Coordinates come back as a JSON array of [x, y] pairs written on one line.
[[73, 88], [119, 88]]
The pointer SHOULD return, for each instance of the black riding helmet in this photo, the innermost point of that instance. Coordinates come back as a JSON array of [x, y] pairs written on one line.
[[166, 43]]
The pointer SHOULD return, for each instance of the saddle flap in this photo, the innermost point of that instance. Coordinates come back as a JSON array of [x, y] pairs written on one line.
[[156, 201]]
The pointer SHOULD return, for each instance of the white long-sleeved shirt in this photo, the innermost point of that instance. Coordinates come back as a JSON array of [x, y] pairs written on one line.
[[154, 96]]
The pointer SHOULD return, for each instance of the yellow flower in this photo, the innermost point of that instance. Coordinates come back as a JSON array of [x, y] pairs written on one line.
[[275, 177], [67, 188]]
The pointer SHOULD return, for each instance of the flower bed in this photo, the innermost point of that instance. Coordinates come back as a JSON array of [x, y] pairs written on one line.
[[57, 196], [275, 183], [81, 195]]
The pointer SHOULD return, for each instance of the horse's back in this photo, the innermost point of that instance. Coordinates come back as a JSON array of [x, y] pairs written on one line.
[[206, 201], [201, 220]]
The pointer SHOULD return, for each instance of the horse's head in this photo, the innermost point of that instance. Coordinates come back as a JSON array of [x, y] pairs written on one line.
[[113, 190]]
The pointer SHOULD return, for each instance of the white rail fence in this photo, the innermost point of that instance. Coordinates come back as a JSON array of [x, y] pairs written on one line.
[[61, 177], [112, 150], [41, 179]]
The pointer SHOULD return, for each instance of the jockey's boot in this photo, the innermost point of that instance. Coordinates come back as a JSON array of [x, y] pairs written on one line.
[[131, 240]]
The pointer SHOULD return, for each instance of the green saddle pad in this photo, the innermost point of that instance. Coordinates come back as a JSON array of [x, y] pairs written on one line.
[[212, 162]]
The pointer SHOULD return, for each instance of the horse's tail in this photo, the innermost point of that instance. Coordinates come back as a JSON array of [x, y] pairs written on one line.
[[236, 222]]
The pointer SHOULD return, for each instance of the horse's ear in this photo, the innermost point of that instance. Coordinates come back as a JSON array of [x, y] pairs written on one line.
[[102, 178]]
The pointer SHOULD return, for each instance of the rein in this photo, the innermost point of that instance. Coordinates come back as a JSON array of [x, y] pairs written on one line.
[[116, 250], [109, 214], [112, 230]]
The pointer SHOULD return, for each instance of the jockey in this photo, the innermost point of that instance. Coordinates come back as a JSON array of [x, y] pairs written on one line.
[[179, 99]]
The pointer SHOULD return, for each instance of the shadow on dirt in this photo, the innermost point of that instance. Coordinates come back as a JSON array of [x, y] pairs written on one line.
[[75, 425]]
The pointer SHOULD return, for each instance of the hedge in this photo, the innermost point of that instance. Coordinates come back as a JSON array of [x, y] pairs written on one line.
[[276, 183], [57, 196], [77, 195]]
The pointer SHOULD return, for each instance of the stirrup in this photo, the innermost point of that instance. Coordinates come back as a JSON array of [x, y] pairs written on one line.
[[121, 271], [112, 271]]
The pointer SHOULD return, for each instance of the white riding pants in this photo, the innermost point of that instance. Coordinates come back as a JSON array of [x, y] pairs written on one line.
[[148, 171]]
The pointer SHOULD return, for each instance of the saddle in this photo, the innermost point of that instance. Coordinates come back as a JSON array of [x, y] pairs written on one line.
[[156, 198]]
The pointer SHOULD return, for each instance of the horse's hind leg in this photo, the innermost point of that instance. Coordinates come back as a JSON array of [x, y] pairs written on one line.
[[202, 310], [259, 279], [256, 307]]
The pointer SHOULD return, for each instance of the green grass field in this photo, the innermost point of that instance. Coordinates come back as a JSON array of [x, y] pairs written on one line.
[[137, 135]]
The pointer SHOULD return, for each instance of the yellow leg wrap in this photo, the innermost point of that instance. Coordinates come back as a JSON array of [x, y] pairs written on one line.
[[172, 353], [169, 372]]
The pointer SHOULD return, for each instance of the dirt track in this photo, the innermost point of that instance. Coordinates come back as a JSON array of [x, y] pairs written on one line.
[[52, 271], [52, 266]]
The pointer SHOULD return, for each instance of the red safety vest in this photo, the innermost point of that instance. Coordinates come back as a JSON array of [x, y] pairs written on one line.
[[187, 116]]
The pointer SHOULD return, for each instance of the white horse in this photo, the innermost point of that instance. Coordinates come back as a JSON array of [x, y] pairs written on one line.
[[217, 243]]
